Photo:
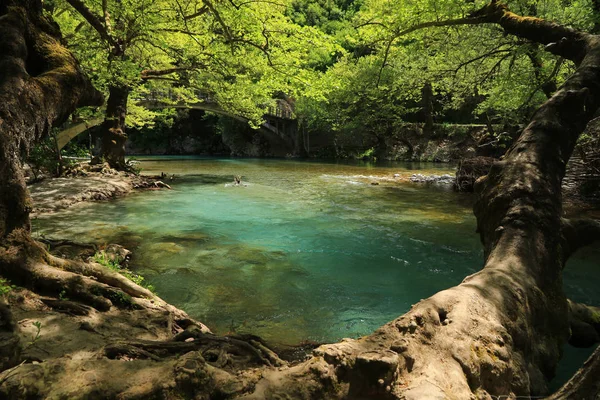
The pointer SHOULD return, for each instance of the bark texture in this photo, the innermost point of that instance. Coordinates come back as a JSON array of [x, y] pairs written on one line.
[[113, 128], [40, 85]]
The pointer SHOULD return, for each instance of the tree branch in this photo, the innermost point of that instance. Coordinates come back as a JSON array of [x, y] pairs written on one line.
[[549, 80], [93, 20], [198, 13], [584, 384], [585, 324], [578, 233], [563, 41], [106, 17], [148, 73]]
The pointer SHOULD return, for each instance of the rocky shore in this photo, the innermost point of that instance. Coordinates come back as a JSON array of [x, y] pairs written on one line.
[[445, 179], [87, 183]]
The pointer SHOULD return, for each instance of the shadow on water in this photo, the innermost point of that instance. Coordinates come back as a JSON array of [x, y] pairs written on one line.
[[203, 179]]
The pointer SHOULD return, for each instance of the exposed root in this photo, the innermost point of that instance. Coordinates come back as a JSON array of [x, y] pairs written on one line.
[[585, 324], [578, 233], [27, 263], [10, 346], [66, 306], [584, 384], [222, 351]]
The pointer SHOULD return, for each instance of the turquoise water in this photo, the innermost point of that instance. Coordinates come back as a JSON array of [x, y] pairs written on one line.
[[306, 251]]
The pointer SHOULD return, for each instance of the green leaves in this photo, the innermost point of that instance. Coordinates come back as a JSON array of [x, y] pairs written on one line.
[[343, 61], [242, 54]]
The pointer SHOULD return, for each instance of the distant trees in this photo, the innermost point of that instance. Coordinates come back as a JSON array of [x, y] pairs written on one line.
[[477, 74], [240, 54]]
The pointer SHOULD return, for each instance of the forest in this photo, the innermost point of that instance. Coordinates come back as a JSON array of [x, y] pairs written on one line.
[[299, 199]]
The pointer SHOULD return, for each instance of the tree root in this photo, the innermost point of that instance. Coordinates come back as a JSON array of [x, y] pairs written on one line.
[[220, 351], [66, 306], [585, 324], [577, 233], [27, 263], [584, 384], [10, 346]]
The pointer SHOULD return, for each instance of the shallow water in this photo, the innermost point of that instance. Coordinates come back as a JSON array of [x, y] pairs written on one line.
[[306, 251]]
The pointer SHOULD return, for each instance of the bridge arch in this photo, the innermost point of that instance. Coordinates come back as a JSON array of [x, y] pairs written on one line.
[[279, 126]]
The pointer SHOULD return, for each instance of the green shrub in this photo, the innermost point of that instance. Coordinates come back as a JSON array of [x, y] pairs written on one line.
[[102, 258], [5, 287]]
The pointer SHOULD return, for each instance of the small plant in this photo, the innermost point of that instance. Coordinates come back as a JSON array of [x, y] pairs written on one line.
[[121, 298], [63, 295], [5, 287], [102, 258], [367, 154], [37, 335]]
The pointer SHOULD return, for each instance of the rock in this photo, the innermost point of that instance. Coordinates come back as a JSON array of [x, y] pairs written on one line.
[[166, 248], [117, 253], [445, 179], [86, 326]]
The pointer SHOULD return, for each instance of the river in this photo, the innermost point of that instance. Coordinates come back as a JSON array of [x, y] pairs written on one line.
[[302, 251]]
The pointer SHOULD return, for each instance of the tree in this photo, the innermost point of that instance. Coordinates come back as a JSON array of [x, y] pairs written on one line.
[[498, 333], [40, 84], [239, 55], [476, 75]]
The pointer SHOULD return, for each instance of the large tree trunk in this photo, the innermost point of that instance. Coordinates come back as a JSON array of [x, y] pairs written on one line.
[[40, 85], [113, 128]]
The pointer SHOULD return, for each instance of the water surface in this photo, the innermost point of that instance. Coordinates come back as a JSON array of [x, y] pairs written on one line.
[[304, 251]]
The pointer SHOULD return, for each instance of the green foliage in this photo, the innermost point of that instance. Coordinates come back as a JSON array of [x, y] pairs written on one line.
[[478, 74], [5, 287], [36, 336], [113, 264], [367, 154], [242, 55], [121, 298], [74, 150], [344, 62], [43, 157]]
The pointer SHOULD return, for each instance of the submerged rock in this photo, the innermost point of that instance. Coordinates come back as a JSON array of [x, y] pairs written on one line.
[[166, 247], [445, 179], [118, 254]]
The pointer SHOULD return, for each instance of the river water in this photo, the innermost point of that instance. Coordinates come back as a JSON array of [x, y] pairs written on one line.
[[303, 251]]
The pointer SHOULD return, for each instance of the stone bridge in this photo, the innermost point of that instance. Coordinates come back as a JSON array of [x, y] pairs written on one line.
[[280, 126]]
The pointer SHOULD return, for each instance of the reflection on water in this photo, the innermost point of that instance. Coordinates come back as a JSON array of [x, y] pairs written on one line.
[[305, 251]]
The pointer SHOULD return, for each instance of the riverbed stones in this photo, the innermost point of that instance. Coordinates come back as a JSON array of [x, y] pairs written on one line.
[[445, 179]]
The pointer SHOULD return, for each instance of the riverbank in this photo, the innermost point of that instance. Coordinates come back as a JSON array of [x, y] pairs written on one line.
[[228, 254], [88, 183]]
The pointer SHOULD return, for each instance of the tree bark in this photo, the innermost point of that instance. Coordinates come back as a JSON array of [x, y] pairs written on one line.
[[113, 128], [40, 85], [427, 101], [584, 384]]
